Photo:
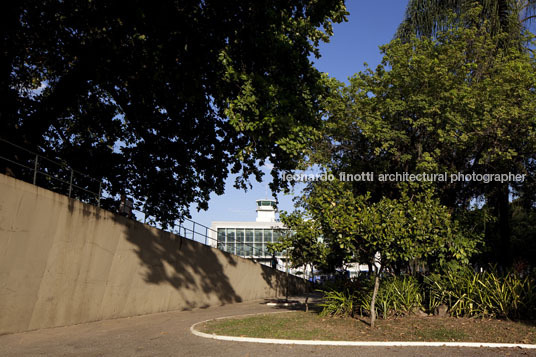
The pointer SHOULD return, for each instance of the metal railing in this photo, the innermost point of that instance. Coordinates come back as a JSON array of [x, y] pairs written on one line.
[[60, 177], [55, 175], [198, 232], [188, 230]]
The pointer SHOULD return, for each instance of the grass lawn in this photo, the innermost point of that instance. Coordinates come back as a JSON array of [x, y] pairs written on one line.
[[310, 326]]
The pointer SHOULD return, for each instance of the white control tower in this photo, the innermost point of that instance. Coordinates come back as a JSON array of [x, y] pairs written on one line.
[[266, 210]]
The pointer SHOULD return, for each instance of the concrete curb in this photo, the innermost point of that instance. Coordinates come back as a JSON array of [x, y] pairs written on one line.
[[347, 343], [282, 303]]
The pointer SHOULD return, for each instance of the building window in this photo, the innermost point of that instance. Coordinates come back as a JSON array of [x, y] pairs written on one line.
[[276, 238], [221, 238], [240, 241], [258, 235], [240, 249], [258, 250], [267, 240], [248, 249], [248, 246], [239, 235], [266, 203], [258, 243], [249, 235], [221, 234], [267, 236], [230, 235], [248, 241]]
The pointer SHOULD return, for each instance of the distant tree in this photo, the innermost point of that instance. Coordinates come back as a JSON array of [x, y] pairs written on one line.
[[301, 242], [162, 98]]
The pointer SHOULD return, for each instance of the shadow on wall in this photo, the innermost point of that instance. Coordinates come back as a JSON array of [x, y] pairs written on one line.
[[81, 263], [176, 260], [270, 275], [171, 259], [185, 264], [279, 280], [191, 266]]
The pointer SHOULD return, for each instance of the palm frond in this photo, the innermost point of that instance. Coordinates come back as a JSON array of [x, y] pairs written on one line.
[[425, 18]]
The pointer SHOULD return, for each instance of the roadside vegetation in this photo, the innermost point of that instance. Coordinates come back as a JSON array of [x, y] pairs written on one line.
[[456, 96], [312, 326], [166, 108], [455, 293]]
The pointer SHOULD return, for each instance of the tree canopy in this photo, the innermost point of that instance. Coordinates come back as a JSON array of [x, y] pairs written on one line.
[[416, 226], [163, 99], [455, 103], [429, 17], [301, 240]]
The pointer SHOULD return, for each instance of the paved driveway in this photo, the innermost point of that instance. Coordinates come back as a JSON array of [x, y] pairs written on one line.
[[168, 334]]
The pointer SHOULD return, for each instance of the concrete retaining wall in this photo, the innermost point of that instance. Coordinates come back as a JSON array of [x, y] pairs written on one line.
[[63, 262]]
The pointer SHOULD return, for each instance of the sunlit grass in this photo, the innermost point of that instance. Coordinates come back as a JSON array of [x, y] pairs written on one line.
[[311, 326]]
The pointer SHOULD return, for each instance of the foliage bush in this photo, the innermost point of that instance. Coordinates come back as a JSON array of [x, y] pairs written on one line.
[[338, 303], [397, 295], [464, 292], [485, 294]]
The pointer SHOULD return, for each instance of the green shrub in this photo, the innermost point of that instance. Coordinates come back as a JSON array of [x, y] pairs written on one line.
[[398, 295], [486, 294], [464, 292], [406, 294], [337, 303]]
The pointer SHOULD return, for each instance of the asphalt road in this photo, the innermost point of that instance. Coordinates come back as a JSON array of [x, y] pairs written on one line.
[[168, 334]]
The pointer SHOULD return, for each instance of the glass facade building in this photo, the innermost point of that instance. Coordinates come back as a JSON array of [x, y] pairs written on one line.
[[250, 239], [248, 242]]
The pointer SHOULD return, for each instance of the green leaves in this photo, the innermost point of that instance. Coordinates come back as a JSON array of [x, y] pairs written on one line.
[[163, 100], [302, 241], [337, 303], [431, 17], [454, 103], [485, 294], [412, 227]]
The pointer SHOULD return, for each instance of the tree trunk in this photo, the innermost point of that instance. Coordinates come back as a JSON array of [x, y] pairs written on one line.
[[503, 6], [286, 294], [504, 227], [374, 294], [306, 289], [498, 234]]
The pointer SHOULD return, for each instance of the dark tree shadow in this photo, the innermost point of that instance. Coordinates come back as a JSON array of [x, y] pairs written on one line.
[[279, 281], [199, 274], [314, 301], [188, 265], [180, 262]]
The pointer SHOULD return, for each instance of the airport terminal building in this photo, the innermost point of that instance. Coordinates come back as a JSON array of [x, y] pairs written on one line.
[[250, 239]]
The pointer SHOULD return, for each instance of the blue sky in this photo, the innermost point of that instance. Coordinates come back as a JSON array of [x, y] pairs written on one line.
[[370, 24]]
